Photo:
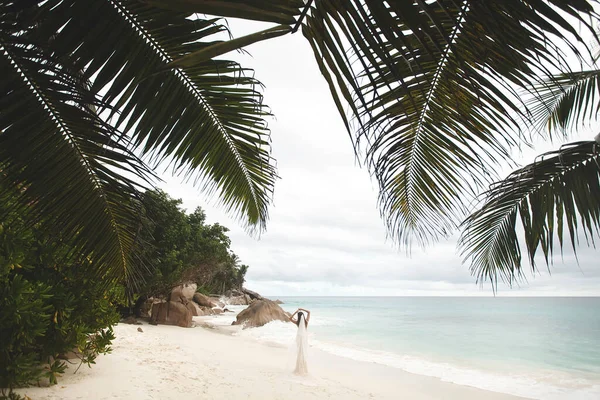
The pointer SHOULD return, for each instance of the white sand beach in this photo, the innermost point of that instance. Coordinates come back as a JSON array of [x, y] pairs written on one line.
[[168, 362]]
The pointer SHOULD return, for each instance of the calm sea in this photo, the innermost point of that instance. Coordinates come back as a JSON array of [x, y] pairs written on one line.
[[544, 348]]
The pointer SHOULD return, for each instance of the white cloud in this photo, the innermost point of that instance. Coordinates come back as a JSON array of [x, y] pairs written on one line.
[[325, 236]]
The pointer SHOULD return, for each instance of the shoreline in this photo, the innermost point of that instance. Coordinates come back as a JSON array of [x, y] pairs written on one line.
[[166, 362]]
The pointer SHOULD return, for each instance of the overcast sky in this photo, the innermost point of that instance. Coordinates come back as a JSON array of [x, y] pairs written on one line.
[[325, 236]]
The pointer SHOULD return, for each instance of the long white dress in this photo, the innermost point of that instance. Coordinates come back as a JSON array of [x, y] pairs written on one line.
[[302, 344]]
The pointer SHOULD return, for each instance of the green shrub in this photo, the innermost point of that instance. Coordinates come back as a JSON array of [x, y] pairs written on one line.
[[48, 307]]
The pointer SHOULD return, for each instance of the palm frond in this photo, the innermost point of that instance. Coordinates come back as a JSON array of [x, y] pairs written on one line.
[[220, 48], [561, 188], [566, 101], [86, 84], [276, 11], [431, 87], [68, 166], [207, 120]]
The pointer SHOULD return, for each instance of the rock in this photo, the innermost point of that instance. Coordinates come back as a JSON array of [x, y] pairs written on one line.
[[155, 300], [217, 301], [259, 313], [233, 293], [189, 290], [253, 295], [140, 330], [145, 308], [279, 301], [177, 295], [238, 301], [171, 313], [183, 293], [207, 310], [131, 320], [203, 301], [193, 307], [211, 311]]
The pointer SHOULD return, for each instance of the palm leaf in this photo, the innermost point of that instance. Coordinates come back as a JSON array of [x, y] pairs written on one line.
[[562, 188], [68, 167], [67, 62], [220, 48], [431, 86], [567, 100], [276, 11], [208, 119]]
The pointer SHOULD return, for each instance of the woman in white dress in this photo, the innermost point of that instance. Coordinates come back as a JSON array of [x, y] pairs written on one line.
[[301, 340]]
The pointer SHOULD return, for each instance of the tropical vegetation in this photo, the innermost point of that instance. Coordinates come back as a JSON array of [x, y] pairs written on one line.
[[51, 307], [429, 92], [434, 94], [177, 247], [559, 190]]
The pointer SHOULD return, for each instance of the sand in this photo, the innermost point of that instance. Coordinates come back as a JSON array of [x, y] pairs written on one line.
[[167, 362]]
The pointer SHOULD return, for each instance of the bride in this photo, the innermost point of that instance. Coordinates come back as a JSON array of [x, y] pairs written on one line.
[[301, 340]]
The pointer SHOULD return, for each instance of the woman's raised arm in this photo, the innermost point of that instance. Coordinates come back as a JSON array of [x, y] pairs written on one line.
[[292, 317]]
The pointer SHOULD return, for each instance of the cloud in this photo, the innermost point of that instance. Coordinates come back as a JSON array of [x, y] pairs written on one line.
[[325, 235]]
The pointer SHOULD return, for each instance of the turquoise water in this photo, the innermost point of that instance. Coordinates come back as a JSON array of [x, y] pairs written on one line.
[[546, 348]]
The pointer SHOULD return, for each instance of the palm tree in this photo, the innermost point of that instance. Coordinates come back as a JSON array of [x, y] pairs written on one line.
[[427, 90]]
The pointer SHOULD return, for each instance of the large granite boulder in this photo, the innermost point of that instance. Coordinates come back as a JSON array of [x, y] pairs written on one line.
[[242, 300], [203, 300], [183, 293], [194, 308], [145, 308], [189, 290], [216, 301], [171, 313], [252, 295], [233, 293], [259, 313]]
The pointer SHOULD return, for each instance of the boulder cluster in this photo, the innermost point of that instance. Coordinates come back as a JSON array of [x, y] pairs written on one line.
[[184, 303]]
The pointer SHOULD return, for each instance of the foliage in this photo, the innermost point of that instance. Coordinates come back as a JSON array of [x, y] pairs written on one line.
[[85, 86], [180, 247], [432, 93], [429, 92], [49, 304], [429, 89], [559, 189], [567, 101]]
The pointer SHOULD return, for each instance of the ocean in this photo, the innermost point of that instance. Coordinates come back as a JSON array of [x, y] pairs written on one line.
[[537, 347]]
